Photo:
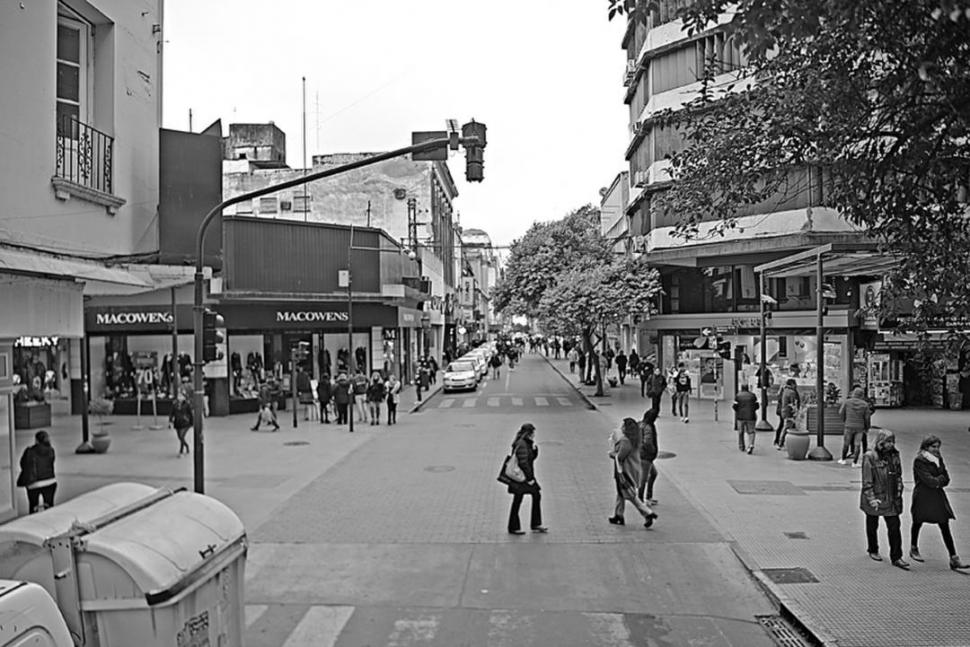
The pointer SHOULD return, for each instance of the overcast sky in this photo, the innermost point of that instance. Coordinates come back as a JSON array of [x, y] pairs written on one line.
[[544, 75]]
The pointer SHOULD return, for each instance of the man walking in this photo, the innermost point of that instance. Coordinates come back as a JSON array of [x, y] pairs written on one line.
[[682, 386], [621, 365], [855, 413], [656, 384], [745, 417]]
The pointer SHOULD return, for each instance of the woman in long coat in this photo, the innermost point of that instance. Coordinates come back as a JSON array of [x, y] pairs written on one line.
[[882, 496], [526, 452], [930, 504], [627, 472]]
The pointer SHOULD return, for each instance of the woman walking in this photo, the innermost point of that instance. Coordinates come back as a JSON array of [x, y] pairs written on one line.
[[341, 398], [37, 472], [930, 504], [375, 395], [525, 451], [648, 454], [627, 472], [324, 392], [882, 496], [393, 395], [181, 419]]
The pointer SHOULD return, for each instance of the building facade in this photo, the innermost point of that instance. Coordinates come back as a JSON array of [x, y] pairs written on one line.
[[479, 276]]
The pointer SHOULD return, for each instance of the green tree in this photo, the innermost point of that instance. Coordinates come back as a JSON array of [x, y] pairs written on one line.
[[874, 96], [566, 277]]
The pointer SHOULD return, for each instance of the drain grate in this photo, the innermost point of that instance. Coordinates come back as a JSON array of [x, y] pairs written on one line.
[[797, 575], [781, 632]]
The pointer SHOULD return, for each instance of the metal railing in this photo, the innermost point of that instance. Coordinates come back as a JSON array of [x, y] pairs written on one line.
[[84, 154]]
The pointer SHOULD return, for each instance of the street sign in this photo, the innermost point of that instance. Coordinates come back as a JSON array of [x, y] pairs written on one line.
[[343, 278], [435, 155]]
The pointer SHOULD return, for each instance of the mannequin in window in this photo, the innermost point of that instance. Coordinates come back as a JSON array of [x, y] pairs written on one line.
[[323, 359], [235, 365], [343, 360], [165, 376], [360, 356]]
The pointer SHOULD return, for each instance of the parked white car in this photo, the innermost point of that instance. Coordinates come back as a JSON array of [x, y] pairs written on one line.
[[459, 375]]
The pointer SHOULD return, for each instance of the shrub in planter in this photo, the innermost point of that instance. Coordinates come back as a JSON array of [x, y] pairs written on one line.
[[100, 438]]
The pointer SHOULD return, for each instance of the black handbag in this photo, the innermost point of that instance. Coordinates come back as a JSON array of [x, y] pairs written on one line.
[[24, 478]]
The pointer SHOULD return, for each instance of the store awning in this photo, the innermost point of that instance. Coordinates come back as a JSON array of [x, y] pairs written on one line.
[[151, 278], [18, 261], [843, 259]]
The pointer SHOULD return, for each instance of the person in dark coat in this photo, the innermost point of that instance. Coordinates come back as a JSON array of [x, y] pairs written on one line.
[[649, 448], [525, 451], [882, 496], [341, 397], [930, 504], [633, 363], [181, 419], [655, 382], [267, 405], [376, 393], [855, 414], [621, 361], [37, 472], [324, 393], [745, 417], [788, 404]]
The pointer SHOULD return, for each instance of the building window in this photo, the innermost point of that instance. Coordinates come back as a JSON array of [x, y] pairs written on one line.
[[244, 208], [73, 36], [301, 202], [268, 205]]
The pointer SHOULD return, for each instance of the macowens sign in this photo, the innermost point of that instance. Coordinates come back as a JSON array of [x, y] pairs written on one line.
[[309, 316], [132, 318]]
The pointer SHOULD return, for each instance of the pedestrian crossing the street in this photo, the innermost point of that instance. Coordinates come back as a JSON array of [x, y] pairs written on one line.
[[506, 401], [294, 625]]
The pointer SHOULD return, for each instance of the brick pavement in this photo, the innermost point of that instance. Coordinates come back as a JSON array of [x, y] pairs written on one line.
[[784, 514]]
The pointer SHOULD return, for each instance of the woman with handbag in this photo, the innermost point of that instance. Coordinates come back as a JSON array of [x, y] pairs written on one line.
[[37, 472], [525, 451], [627, 472]]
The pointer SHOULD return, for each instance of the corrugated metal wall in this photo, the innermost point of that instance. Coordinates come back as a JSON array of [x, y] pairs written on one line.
[[263, 255]]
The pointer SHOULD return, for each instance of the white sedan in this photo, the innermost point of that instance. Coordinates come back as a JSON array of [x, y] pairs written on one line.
[[460, 374]]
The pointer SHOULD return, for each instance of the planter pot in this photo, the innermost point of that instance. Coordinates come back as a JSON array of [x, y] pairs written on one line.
[[796, 443], [100, 442], [833, 422]]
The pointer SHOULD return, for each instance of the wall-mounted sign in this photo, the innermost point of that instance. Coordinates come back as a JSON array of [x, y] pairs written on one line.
[[309, 316], [125, 319], [36, 342]]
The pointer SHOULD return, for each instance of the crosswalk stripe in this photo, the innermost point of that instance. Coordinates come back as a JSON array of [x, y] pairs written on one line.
[[517, 402], [413, 631], [320, 627], [446, 403], [470, 402], [541, 402], [566, 402], [493, 402], [254, 611]]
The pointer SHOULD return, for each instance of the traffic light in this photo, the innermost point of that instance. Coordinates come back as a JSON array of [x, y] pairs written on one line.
[[474, 152], [212, 336]]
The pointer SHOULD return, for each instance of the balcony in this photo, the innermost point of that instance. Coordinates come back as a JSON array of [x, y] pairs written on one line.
[[83, 166]]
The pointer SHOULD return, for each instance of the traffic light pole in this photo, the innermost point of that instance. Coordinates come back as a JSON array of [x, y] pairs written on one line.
[[198, 404], [763, 424]]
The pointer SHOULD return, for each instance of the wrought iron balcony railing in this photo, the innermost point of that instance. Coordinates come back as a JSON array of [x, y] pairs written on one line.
[[84, 154]]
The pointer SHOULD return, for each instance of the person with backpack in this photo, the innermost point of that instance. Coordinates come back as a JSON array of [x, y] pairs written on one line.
[[745, 417], [496, 363], [181, 419]]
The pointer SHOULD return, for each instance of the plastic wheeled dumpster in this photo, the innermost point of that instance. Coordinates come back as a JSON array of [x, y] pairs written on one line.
[[131, 565], [28, 616]]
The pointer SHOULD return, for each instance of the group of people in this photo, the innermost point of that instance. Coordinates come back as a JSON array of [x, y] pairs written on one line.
[[633, 450], [341, 397]]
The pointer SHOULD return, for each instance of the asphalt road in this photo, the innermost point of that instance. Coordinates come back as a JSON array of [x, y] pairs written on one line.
[[403, 542]]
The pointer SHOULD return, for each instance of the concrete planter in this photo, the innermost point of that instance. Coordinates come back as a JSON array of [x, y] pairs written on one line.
[[796, 443]]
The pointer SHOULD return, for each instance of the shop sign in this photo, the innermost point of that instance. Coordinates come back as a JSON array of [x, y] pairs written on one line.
[[309, 316], [132, 318], [870, 304], [36, 342], [389, 334]]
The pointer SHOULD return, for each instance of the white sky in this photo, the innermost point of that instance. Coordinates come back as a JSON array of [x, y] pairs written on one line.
[[543, 75]]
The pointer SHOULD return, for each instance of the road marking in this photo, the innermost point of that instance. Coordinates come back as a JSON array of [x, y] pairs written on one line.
[[609, 629], [470, 402], [542, 402], [446, 403], [411, 632], [566, 402], [254, 611], [320, 627], [508, 376], [517, 402], [493, 402]]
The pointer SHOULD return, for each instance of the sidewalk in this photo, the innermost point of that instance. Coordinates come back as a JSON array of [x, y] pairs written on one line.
[[797, 526], [251, 472]]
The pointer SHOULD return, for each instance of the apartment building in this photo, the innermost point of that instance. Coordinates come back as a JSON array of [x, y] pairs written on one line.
[[478, 278], [709, 280]]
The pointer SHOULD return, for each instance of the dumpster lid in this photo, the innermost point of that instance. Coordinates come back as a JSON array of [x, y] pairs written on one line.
[[160, 545], [36, 528]]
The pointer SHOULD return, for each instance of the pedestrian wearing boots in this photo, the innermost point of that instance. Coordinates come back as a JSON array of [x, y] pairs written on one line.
[[393, 396], [496, 363], [267, 406], [376, 394], [930, 504], [525, 451], [324, 393], [181, 419], [627, 474], [788, 404], [882, 496], [581, 364], [855, 413], [649, 449], [745, 417]]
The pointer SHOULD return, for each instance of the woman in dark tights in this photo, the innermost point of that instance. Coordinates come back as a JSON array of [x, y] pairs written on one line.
[[930, 504]]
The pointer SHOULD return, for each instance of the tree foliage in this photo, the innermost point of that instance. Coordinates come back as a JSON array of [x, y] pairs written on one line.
[[874, 96]]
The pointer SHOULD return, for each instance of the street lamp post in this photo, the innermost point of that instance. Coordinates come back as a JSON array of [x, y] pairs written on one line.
[[820, 453]]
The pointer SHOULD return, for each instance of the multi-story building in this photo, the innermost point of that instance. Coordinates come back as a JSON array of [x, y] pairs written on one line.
[[615, 226], [709, 280], [409, 202], [478, 278]]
